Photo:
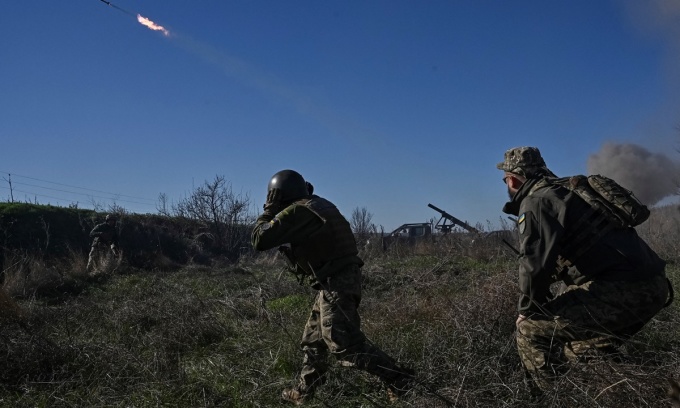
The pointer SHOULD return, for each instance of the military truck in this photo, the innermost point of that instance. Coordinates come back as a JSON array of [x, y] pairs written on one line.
[[408, 234], [448, 229]]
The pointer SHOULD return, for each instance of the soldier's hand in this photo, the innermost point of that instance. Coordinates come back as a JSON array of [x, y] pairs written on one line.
[[273, 205]]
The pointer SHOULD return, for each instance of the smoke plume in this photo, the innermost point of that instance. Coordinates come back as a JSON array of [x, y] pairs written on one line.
[[651, 176]]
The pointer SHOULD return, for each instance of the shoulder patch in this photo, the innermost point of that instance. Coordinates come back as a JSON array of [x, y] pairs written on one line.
[[521, 223], [267, 225]]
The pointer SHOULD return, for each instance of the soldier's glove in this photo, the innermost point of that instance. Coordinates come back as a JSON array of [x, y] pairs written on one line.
[[273, 205]]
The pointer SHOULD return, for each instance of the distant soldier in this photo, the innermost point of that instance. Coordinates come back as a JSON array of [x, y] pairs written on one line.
[[323, 251], [614, 283], [105, 242]]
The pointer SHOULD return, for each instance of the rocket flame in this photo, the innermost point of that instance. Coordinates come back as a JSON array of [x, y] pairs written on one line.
[[145, 21]]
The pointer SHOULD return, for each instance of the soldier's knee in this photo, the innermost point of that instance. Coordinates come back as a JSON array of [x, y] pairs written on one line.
[[527, 328]]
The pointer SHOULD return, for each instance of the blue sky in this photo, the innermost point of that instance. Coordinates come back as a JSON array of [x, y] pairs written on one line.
[[387, 105]]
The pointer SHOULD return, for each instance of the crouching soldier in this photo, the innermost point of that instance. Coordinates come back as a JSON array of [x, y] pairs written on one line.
[[615, 283]]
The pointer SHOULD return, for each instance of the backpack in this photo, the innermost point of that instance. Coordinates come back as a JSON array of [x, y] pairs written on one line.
[[611, 206], [608, 197]]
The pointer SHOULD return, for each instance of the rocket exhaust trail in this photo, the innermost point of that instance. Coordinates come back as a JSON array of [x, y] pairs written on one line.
[[153, 26], [140, 19], [118, 8]]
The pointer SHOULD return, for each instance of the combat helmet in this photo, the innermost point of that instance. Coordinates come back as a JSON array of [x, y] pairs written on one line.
[[291, 183]]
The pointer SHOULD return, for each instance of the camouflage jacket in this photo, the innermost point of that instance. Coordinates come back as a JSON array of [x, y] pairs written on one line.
[[547, 218], [321, 240], [104, 234]]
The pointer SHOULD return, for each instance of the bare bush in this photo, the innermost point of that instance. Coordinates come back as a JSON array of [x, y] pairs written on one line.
[[163, 207], [361, 224], [225, 213]]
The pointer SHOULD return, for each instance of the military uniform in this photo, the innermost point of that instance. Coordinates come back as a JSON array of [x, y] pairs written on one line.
[[612, 289], [105, 239], [325, 253]]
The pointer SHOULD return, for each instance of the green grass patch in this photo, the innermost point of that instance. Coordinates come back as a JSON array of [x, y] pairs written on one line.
[[290, 304]]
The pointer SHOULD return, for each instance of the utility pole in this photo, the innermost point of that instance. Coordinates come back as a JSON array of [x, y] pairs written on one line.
[[11, 192]]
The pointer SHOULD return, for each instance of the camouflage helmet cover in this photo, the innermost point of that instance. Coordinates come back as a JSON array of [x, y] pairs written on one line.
[[291, 183], [525, 161]]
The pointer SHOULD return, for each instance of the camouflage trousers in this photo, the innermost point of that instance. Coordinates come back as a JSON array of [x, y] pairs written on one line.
[[334, 328], [594, 317], [99, 255]]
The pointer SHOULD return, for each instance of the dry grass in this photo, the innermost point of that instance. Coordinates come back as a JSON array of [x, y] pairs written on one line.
[[227, 336], [10, 311], [662, 231]]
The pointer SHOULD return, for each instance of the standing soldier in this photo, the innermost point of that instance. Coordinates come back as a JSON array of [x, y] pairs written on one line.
[[105, 241], [323, 251], [615, 283]]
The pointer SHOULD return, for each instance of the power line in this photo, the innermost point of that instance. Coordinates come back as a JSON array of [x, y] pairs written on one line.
[[35, 195], [30, 193], [83, 194], [71, 186], [86, 192]]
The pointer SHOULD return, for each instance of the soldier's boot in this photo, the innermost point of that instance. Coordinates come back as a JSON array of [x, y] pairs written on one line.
[[398, 380], [400, 385], [297, 395], [536, 393]]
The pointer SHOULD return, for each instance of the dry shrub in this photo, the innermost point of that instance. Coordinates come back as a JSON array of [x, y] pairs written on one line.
[[74, 266], [29, 275]]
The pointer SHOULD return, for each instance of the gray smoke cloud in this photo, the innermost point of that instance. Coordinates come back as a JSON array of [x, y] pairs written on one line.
[[651, 176]]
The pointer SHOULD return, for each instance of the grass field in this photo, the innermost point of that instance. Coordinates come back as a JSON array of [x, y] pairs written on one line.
[[227, 336]]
